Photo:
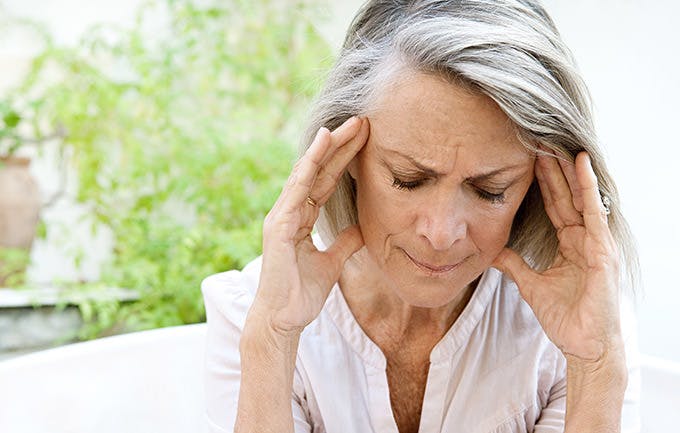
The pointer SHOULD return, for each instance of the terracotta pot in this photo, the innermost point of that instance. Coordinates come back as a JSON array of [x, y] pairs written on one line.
[[19, 205]]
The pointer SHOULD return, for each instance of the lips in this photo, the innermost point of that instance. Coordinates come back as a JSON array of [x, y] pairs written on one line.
[[431, 268]]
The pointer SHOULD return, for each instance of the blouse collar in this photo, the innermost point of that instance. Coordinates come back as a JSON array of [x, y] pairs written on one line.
[[455, 338]]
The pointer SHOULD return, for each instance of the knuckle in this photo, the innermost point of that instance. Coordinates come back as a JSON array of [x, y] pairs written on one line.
[[298, 164], [327, 176], [323, 172]]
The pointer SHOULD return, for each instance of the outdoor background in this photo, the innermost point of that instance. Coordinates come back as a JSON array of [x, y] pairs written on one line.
[[626, 49]]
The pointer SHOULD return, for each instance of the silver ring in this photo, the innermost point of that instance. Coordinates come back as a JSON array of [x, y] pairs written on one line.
[[606, 202]]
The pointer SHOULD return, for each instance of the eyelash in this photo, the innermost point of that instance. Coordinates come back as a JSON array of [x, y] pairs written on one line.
[[482, 194], [408, 185], [493, 198]]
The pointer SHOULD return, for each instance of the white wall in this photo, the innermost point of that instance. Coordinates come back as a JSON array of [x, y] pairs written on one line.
[[628, 52]]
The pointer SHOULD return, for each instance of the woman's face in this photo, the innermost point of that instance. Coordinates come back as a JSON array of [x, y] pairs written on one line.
[[438, 184]]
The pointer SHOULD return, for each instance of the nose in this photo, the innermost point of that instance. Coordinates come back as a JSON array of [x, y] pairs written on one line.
[[442, 222]]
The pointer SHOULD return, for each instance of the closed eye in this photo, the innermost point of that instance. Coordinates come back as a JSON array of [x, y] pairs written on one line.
[[407, 184], [481, 193], [489, 196]]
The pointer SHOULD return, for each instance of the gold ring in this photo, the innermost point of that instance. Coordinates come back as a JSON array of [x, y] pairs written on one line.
[[312, 201]]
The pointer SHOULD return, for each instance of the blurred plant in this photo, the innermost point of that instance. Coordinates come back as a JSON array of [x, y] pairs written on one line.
[[17, 132], [13, 263], [9, 121], [181, 131], [18, 120]]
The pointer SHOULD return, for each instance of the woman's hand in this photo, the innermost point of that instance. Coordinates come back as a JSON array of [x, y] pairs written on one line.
[[296, 278], [576, 300]]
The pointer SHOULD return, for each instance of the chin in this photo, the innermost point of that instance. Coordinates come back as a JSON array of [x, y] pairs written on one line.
[[425, 288], [430, 292]]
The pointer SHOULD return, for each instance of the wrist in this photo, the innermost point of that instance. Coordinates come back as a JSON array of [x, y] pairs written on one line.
[[609, 368], [267, 369], [595, 391], [261, 337]]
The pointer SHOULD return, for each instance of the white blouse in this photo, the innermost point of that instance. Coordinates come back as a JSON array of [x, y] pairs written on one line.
[[493, 371]]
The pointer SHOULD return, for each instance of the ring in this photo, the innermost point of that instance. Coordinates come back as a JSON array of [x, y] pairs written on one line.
[[606, 202], [311, 201]]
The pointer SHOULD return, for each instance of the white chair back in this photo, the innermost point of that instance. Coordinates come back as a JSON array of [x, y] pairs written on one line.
[[660, 398], [142, 382], [152, 381]]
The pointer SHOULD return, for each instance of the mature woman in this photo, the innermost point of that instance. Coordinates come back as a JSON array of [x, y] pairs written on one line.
[[471, 252]]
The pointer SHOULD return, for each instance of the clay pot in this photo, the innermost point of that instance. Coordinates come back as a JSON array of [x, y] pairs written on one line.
[[19, 205]]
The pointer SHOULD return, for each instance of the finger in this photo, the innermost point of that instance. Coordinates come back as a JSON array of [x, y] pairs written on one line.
[[302, 177], [548, 202], [594, 214], [569, 170], [511, 263], [348, 242], [331, 171], [560, 192], [344, 133], [306, 169]]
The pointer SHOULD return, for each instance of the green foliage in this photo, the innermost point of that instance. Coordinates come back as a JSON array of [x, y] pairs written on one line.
[[9, 121], [182, 131], [18, 127], [13, 262]]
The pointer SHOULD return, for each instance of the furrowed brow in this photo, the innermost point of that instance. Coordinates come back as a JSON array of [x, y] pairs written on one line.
[[425, 170], [482, 177], [486, 177]]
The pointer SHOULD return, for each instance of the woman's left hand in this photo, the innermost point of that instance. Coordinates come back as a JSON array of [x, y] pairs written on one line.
[[576, 300]]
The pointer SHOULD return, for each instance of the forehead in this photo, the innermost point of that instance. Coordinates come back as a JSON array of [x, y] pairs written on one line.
[[425, 116]]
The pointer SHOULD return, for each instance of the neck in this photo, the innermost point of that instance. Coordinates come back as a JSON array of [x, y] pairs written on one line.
[[385, 317]]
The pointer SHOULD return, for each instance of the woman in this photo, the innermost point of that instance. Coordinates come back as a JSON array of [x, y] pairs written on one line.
[[471, 249]]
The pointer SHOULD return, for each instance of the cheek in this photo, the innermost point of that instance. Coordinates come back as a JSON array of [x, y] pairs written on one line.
[[380, 205], [490, 230]]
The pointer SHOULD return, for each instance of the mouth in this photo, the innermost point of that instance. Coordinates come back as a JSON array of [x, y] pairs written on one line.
[[431, 269]]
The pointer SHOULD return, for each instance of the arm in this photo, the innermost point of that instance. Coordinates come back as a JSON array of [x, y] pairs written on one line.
[[593, 396], [595, 392], [576, 300], [227, 300], [553, 414], [295, 280], [267, 367], [630, 416]]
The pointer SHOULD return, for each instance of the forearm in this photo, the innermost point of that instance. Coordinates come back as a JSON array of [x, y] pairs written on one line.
[[267, 368], [595, 393]]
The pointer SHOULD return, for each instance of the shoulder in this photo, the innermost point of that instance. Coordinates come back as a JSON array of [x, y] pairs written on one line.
[[508, 308], [518, 331], [518, 342], [228, 295]]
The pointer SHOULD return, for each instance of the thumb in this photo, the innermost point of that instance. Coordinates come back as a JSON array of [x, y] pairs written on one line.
[[348, 242], [511, 263]]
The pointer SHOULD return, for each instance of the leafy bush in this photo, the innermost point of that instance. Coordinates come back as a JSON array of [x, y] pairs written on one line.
[[181, 131]]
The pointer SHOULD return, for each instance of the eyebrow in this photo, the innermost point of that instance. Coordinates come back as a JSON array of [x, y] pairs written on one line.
[[433, 173]]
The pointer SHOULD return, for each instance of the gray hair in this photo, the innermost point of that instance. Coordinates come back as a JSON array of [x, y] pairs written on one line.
[[508, 50]]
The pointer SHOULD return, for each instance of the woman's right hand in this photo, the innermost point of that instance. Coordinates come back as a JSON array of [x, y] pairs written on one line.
[[296, 277]]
